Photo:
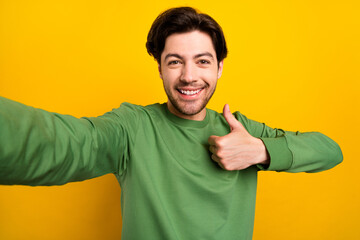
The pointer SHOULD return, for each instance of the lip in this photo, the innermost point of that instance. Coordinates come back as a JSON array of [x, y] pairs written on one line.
[[189, 88]]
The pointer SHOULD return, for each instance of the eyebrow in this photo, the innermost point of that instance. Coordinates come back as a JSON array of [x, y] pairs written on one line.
[[196, 56], [204, 54]]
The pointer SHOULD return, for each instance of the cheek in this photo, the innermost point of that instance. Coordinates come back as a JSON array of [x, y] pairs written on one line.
[[211, 76], [169, 76]]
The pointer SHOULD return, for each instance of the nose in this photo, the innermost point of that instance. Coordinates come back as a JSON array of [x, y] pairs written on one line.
[[188, 73]]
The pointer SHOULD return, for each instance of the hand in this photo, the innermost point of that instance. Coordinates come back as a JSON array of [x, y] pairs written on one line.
[[238, 149]]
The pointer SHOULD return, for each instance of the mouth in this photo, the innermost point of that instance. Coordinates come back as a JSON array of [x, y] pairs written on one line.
[[190, 93]]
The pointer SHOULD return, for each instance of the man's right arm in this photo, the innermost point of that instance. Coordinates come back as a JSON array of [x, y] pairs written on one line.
[[294, 151], [42, 148]]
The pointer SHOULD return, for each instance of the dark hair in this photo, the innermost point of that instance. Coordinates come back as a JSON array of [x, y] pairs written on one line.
[[182, 20]]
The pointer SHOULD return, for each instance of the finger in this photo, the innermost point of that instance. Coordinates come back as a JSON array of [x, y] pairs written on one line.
[[233, 123], [212, 140], [213, 149], [230, 118], [215, 158], [222, 166]]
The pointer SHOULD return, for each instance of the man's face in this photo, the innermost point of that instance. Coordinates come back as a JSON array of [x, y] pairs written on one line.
[[189, 70]]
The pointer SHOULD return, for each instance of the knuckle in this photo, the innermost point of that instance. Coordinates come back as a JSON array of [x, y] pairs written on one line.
[[220, 153], [229, 167], [211, 139], [225, 163], [220, 142]]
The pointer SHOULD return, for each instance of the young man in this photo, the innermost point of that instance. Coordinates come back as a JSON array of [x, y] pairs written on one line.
[[186, 172]]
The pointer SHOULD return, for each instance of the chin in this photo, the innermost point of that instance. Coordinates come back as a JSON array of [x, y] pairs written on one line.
[[188, 108]]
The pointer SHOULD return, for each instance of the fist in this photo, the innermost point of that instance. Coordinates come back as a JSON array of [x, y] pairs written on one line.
[[238, 149]]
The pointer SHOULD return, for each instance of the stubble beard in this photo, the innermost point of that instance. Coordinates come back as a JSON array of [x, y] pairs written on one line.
[[189, 108]]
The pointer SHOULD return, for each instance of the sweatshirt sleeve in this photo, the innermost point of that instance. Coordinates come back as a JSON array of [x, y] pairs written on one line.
[[294, 151], [42, 148]]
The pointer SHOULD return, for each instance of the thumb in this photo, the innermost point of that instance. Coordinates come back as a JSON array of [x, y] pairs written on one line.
[[232, 121]]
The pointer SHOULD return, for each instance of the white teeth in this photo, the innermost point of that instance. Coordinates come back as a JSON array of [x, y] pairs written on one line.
[[188, 92]]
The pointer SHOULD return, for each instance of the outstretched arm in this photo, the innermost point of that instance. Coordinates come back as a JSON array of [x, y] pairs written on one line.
[[42, 148]]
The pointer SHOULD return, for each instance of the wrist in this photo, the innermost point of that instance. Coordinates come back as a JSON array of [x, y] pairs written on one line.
[[263, 154]]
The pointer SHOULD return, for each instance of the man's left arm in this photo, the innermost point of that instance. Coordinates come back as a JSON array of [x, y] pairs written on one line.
[[253, 143]]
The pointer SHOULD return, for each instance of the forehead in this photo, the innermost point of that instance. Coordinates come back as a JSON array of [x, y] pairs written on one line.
[[188, 44]]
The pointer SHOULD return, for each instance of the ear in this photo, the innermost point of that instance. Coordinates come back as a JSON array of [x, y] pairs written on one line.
[[221, 66], [159, 69]]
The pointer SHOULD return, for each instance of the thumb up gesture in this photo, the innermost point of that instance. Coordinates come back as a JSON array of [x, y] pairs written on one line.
[[238, 149]]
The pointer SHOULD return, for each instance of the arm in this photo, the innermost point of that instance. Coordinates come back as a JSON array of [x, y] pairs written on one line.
[[300, 152], [253, 143], [43, 148]]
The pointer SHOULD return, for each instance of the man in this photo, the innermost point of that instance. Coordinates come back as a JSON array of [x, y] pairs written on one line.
[[186, 172]]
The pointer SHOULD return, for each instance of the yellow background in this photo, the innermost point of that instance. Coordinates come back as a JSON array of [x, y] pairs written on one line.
[[291, 64]]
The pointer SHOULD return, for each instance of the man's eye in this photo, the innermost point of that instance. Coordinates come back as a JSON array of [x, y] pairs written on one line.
[[175, 62], [204, 61]]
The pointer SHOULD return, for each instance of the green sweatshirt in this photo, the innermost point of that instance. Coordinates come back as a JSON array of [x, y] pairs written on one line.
[[171, 189]]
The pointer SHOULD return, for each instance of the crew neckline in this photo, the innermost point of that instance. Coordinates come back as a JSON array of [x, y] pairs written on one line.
[[186, 122]]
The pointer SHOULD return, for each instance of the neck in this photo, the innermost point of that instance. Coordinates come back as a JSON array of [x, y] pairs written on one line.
[[197, 117]]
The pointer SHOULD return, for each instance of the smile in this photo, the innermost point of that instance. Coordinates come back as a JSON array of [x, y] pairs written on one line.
[[189, 92]]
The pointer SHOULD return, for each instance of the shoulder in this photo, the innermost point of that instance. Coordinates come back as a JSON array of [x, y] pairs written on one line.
[[133, 113], [253, 127], [129, 108]]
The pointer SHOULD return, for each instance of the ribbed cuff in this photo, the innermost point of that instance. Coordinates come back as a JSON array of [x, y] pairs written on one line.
[[280, 155]]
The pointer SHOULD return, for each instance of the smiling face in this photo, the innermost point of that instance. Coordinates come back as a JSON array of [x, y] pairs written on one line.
[[189, 70]]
